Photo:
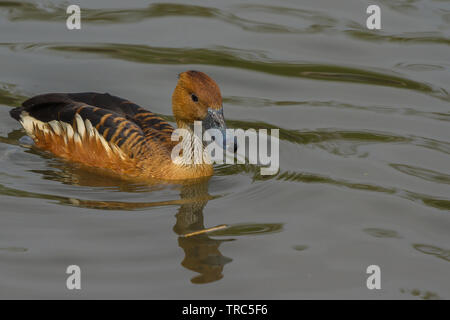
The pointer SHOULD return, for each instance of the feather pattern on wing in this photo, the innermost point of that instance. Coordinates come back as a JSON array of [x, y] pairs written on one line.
[[96, 129]]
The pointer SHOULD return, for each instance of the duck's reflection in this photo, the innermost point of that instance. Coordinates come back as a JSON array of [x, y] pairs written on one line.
[[202, 253]]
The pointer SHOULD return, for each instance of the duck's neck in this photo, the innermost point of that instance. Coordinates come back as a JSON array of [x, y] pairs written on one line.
[[194, 154]]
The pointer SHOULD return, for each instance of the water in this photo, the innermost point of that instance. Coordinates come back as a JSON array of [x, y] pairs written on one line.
[[364, 155]]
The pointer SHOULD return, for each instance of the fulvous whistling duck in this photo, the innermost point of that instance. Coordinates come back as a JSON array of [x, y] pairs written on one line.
[[105, 131]]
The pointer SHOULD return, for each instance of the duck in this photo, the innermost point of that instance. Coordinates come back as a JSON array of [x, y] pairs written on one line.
[[108, 132]]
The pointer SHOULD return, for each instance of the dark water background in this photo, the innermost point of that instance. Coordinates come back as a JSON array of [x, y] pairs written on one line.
[[365, 151]]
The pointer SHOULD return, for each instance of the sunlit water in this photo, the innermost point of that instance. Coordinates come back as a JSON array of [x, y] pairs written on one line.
[[365, 151]]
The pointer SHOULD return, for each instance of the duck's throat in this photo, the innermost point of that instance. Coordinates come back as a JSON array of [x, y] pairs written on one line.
[[192, 149]]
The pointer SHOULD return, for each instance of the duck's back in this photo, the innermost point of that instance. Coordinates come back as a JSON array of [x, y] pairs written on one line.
[[96, 129]]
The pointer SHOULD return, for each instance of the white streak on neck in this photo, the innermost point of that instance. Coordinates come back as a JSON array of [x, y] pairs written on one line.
[[194, 152]]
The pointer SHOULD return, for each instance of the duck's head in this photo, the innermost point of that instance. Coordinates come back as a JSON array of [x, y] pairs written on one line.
[[197, 98]]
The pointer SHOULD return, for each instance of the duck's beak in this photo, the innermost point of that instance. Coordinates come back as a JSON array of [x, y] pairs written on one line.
[[215, 120]]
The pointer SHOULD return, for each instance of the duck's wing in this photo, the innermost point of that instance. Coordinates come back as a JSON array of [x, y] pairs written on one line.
[[96, 129], [149, 122]]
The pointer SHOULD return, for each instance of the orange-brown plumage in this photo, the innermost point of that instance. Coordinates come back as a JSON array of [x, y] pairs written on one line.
[[104, 131]]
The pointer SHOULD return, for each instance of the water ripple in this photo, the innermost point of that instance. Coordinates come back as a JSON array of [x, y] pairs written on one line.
[[317, 21], [426, 174], [25, 11], [245, 229], [433, 250], [242, 59], [382, 233], [266, 102], [306, 177], [10, 95], [320, 137], [408, 38]]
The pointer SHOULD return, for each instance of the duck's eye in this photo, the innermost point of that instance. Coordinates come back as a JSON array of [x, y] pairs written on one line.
[[194, 97]]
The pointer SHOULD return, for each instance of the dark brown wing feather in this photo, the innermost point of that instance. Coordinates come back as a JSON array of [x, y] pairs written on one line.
[[131, 111]]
